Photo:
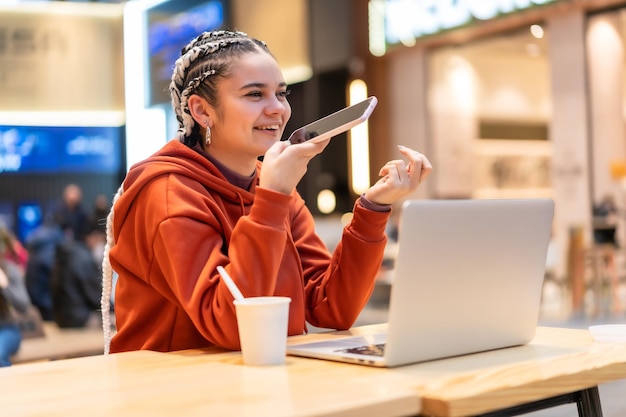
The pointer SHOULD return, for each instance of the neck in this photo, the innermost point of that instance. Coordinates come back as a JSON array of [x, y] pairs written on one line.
[[237, 164]]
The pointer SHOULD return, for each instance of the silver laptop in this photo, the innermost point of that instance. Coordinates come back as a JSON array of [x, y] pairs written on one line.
[[468, 278]]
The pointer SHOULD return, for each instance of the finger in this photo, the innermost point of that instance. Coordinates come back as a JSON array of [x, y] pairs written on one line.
[[389, 171], [424, 168], [415, 168], [385, 169], [427, 168], [419, 164], [412, 155], [415, 160], [310, 149]]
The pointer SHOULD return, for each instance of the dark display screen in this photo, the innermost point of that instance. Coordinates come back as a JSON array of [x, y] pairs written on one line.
[[170, 27]]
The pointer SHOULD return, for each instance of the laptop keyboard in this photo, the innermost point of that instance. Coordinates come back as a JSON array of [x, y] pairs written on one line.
[[371, 350]]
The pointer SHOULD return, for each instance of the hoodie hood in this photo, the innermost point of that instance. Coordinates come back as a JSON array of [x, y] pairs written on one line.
[[176, 158]]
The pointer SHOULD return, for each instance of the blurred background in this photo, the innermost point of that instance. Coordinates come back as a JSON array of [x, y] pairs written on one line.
[[508, 99]]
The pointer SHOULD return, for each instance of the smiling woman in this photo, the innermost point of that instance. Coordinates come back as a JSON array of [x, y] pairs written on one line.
[[205, 200]]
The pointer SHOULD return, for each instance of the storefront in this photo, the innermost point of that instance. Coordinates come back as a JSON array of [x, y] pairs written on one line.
[[509, 99], [61, 107]]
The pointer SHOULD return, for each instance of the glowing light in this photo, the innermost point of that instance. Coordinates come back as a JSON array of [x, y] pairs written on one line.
[[145, 128], [359, 143], [297, 74], [346, 218], [63, 118], [376, 23], [326, 201], [400, 20], [536, 31]]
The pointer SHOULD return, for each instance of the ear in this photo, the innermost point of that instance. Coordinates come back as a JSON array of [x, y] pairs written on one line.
[[200, 110]]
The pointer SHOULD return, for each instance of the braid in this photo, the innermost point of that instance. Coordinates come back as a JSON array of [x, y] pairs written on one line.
[[107, 277], [205, 57]]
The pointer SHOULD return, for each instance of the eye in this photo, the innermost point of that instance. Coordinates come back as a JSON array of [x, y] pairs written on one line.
[[255, 94], [283, 94]]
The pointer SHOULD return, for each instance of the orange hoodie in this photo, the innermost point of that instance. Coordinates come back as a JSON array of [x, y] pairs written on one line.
[[179, 218]]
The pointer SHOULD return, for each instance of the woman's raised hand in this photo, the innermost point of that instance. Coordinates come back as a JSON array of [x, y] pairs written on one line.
[[399, 178]]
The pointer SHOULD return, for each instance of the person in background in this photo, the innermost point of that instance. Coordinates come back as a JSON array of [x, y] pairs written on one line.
[[205, 200], [605, 221], [14, 250], [605, 225], [13, 298], [99, 213], [76, 280], [41, 245], [69, 213]]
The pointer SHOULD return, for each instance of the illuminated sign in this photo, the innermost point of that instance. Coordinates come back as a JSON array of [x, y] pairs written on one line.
[[403, 21], [56, 149], [170, 27]]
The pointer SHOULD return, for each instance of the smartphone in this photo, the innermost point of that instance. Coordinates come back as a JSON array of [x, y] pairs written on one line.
[[335, 123]]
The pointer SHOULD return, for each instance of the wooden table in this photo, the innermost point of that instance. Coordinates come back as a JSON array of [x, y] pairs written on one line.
[[213, 382]]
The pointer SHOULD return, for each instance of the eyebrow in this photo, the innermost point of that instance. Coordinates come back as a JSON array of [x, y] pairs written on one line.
[[261, 85]]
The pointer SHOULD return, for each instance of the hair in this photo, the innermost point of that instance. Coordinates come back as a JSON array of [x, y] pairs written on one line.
[[202, 63], [7, 241], [107, 277]]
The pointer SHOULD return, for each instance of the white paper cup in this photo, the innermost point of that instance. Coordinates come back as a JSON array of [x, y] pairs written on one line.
[[262, 324]]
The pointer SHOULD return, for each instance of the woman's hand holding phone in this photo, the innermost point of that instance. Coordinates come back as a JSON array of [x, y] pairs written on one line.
[[284, 165]]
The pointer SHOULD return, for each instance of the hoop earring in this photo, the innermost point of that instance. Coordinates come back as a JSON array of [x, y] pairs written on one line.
[[207, 136]]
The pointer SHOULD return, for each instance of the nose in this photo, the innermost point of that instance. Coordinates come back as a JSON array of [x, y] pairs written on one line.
[[277, 106]]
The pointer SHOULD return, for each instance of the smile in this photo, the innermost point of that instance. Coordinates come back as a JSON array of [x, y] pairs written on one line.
[[270, 127]]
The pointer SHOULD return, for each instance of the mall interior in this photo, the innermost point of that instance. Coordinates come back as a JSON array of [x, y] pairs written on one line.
[[511, 99]]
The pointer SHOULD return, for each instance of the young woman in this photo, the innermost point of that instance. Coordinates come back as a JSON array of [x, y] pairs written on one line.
[[205, 200]]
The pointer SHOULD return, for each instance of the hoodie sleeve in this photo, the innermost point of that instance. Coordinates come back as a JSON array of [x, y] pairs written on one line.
[[249, 259], [337, 291]]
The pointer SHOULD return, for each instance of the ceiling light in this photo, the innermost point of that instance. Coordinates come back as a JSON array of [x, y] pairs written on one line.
[[536, 31]]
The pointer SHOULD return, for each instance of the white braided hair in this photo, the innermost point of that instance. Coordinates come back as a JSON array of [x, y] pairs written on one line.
[[198, 57], [107, 277]]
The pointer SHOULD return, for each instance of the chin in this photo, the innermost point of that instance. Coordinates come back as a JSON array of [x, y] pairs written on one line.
[[264, 147]]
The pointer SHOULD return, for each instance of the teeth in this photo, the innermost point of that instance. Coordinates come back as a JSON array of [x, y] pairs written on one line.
[[272, 127]]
